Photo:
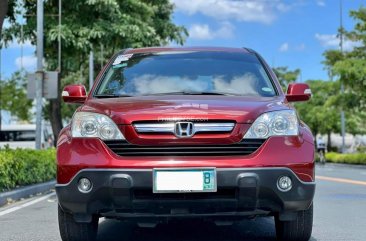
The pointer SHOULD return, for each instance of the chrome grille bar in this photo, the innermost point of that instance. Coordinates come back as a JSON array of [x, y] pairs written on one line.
[[213, 127], [170, 127], [151, 128]]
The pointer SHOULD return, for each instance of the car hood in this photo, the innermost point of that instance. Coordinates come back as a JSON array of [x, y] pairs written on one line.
[[126, 110]]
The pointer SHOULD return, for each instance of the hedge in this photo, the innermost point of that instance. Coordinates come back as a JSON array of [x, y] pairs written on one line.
[[351, 158], [21, 167]]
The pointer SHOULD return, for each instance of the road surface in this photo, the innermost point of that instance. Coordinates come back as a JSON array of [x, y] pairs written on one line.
[[340, 214]]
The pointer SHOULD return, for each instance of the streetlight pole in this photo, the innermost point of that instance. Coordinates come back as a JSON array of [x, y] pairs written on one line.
[[39, 73], [343, 119], [21, 47]]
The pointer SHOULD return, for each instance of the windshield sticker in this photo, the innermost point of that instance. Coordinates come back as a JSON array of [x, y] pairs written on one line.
[[266, 89], [122, 58], [119, 66]]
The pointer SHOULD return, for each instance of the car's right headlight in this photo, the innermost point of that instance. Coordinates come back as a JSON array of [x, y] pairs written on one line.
[[88, 124], [275, 123]]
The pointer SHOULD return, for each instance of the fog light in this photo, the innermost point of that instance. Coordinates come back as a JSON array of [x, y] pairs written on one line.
[[84, 185], [284, 184]]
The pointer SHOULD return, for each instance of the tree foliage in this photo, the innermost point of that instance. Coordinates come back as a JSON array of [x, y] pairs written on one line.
[[319, 113], [350, 67], [322, 112], [353, 75], [7, 10], [104, 26], [13, 97], [286, 76], [331, 56]]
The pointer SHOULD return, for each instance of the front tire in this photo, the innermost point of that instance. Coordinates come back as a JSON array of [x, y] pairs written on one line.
[[73, 231], [297, 230]]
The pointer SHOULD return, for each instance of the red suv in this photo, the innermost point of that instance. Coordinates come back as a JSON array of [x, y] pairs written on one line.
[[185, 133]]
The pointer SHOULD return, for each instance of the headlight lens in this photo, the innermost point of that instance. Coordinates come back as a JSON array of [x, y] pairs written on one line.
[[276, 123], [88, 124]]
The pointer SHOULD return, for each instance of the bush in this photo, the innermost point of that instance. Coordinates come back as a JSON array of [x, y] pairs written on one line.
[[25, 166], [352, 158], [361, 149]]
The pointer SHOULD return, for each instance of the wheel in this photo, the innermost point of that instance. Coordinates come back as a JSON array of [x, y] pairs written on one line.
[[73, 231], [297, 230]]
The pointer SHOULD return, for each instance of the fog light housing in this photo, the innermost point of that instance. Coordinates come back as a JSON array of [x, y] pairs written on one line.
[[284, 184], [85, 185]]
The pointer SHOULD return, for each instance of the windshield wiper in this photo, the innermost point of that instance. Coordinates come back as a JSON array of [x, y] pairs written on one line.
[[168, 93], [112, 96], [210, 93], [192, 93]]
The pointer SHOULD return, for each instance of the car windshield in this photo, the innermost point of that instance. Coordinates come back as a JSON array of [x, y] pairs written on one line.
[[226, 73]]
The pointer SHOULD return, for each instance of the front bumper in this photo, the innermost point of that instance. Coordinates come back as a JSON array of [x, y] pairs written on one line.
[[76, 154], [122, 193]]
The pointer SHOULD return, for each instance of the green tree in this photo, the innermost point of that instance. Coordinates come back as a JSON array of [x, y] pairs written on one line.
[[350, 66], [6, 10], [331, 58], [355, 124], [3, 12], [320, 113], [13, 97], [286, 76], [104, 26]]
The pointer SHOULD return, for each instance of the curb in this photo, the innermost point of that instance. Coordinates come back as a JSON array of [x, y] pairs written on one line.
[[24, 192]]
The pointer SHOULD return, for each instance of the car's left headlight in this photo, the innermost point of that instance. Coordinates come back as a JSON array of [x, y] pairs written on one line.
[[88, 124], [275, 123]]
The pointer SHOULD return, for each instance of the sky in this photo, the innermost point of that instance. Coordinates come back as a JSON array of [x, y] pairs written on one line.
[[291, 33], [286, 33]]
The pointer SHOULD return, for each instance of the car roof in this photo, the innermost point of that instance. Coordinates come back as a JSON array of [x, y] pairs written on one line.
[[185, 49]]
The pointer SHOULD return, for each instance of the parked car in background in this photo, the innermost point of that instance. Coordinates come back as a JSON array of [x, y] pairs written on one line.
[[24, 136], [185, 133]]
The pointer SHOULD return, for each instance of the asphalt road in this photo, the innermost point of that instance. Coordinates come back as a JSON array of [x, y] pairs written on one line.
[[340, 214]]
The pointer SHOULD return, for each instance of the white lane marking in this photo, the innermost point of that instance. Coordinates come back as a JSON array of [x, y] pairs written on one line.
[[13, 209]]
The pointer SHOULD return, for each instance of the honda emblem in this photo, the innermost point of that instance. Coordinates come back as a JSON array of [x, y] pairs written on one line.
[[184, 129]]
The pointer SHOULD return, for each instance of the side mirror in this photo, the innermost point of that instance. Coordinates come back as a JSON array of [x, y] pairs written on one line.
[[74, 94], [298, 92]]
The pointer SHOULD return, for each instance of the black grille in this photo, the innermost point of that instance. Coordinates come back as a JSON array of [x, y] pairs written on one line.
[[245, 147]]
